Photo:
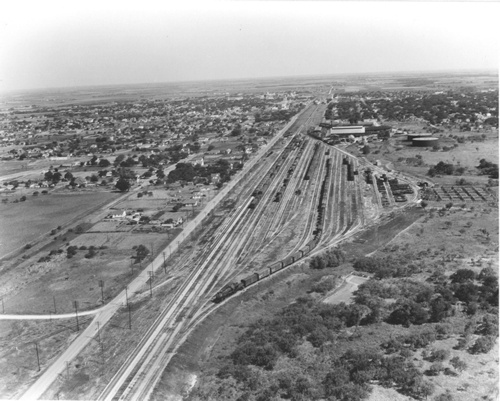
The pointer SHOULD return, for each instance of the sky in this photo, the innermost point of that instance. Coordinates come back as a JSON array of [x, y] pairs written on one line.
[[47, 44]]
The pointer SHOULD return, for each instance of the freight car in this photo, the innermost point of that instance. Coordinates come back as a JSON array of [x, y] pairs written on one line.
[[233, 288]]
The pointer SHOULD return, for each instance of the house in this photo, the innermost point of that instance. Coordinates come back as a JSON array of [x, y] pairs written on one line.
[[120, 215], [215, 178]]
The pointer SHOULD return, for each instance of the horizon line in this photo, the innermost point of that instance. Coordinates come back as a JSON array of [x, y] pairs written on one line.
[[269, 77]]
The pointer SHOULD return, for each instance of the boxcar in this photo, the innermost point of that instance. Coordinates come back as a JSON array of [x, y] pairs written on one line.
[[305, 250], [276, 267], [250, 280], [312, 244], [288, 261], [264, 272], [296, 256]]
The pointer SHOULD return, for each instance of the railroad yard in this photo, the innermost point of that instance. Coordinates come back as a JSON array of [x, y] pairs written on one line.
[[213, 249], [302, 197]]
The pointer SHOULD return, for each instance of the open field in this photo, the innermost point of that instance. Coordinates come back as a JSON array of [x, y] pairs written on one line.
[[345, 292], [18, 364], [24, 222], [36, 285]]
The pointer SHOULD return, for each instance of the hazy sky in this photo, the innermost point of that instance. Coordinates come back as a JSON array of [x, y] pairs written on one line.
[[72, 43]]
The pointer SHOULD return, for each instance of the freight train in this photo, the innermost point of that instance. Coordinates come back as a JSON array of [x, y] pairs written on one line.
[[233, 288]]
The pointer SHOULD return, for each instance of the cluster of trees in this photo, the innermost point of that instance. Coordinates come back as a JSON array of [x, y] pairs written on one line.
[[188, 172], [488, 168], [443, 168], [257, 365], [275, 115], [347, 374], [418, 303], [456, 106], [141, 251], [388, 266], [331, 258], [91, 251]]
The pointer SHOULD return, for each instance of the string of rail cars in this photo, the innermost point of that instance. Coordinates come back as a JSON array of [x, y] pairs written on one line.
[[234, 287]]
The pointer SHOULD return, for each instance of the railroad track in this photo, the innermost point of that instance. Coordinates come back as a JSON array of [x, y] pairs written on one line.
[[143, 355]]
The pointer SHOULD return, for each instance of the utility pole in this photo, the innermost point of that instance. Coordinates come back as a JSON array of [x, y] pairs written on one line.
[[75, 303], [54, 299], [37, 356], [100, 342], [101, 284], [128, 307], [3, 307], [164, 264], [151, 284]]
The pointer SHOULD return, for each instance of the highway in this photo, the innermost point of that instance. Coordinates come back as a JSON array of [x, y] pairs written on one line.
[[51, 373]]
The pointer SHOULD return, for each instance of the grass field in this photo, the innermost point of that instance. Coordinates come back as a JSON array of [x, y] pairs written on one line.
[[24, 222]]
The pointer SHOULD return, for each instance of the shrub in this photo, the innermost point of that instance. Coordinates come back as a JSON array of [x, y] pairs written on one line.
[[439, 355], [483, 345], [435, 369], [324, 285], [458, 364]]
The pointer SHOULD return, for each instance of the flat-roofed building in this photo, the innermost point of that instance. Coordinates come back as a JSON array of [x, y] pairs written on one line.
[[355, 130]]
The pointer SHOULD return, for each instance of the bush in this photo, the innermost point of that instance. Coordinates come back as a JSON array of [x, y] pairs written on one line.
[[90, 254], [435, 369], [483, 345], [458, 364], [324, 285], [439, 355]]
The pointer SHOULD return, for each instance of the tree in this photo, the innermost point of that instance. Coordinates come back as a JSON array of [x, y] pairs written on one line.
[[68, 176], [458, 364], [408, 312], [104, 163], [118, 160], [366, 150], [483, 345], [141, 252], [462, 276], [122, 184]]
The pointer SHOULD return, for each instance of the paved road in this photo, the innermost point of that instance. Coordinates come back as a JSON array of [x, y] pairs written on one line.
[[51, 373]]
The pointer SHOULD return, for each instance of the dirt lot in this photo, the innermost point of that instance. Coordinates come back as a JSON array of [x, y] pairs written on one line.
[[344, 292], [38, 215]]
